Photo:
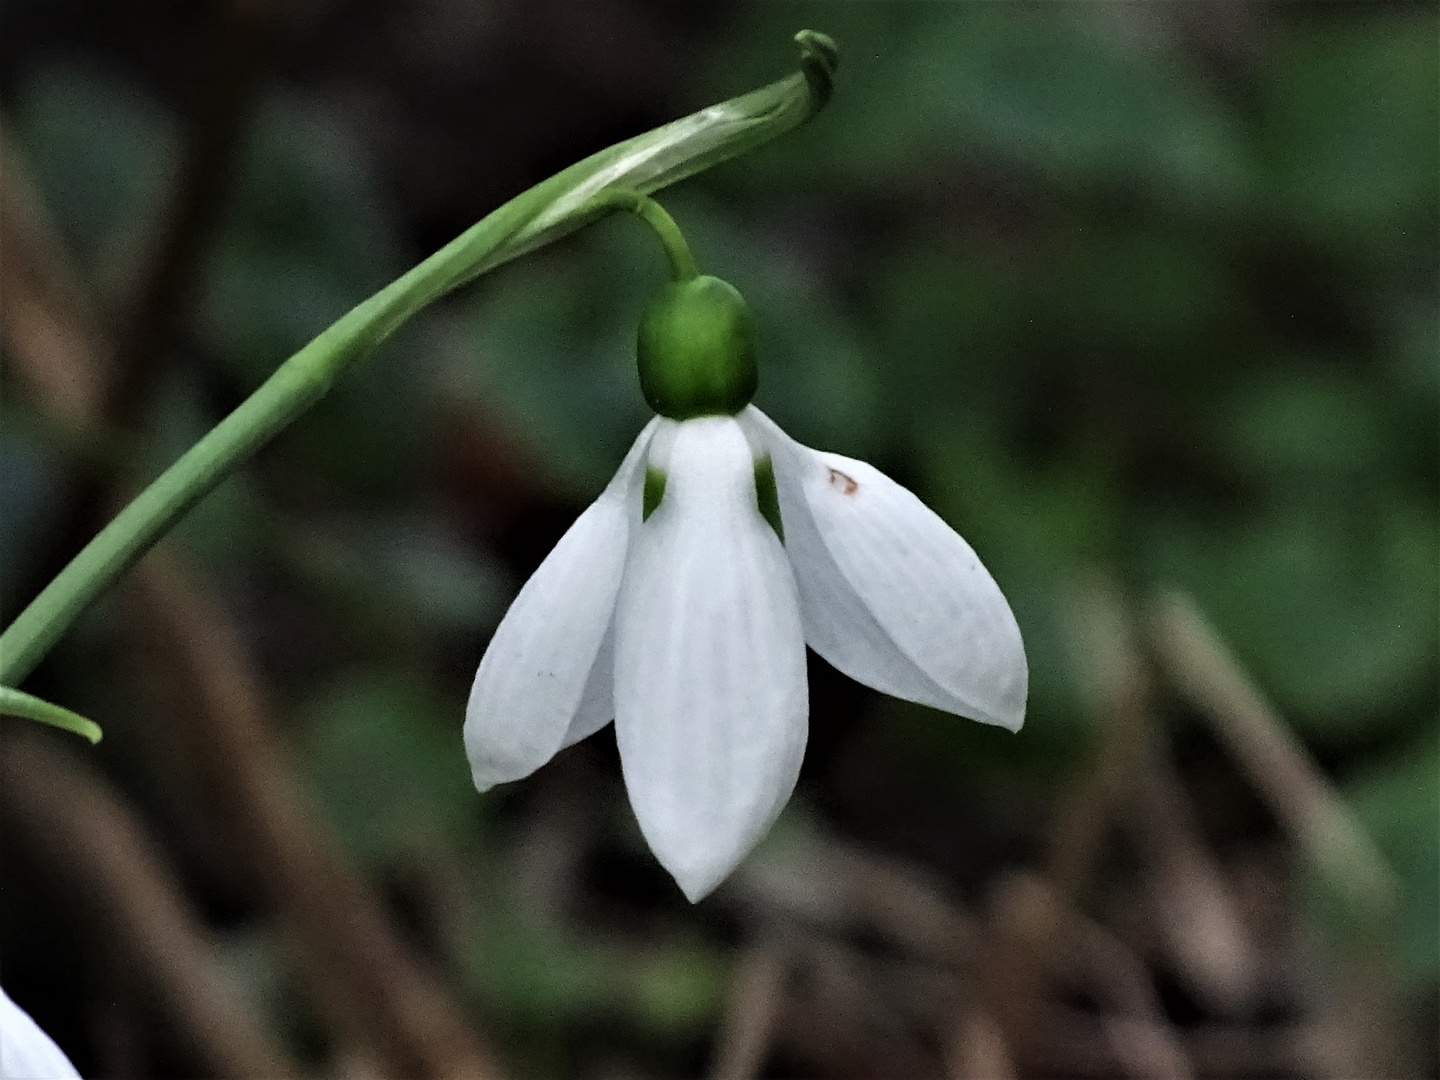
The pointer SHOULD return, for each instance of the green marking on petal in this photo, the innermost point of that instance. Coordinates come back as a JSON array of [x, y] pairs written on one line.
[[654, 492], [18, 703], [767, 496]]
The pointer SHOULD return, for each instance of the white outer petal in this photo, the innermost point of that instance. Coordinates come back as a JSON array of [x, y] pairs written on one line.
[[597, 703], [529, 687], [889, 593], [26, 1052], [711, 703]]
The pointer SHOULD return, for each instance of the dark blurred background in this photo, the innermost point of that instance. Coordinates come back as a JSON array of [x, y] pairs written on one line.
[[1142, 298]]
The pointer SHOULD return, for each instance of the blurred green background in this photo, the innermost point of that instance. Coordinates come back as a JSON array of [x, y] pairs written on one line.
[[1140, 290]]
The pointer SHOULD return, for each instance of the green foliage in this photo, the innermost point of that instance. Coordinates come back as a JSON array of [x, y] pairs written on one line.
[[306, 239], [102, 152], [1398, 803], [552, 342], [538, 976], [386, 757], [1348, 148]]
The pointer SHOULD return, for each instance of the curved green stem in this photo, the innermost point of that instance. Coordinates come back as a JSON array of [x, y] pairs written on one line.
[[677, 251], [19, 703], [551, 209]]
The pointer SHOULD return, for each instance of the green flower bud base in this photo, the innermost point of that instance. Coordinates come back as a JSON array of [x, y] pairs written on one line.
[[697, 350]]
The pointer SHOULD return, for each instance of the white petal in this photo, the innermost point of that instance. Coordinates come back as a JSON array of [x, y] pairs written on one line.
[[26, 1052], [597, 703], [889, 593], [710, 697], [534, 672]]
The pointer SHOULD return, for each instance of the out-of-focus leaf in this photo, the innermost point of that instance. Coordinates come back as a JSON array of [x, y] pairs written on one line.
[[552, 347], [951, 322], [1398, 804], [1149, 290], [388, 760], [539, 975], [1050, 89], [1351, 108], [1307, 426], [102, 152], [307, 239], [1070, 94], [1333, 608], [405, 571], [28, 493], [1415, 346]]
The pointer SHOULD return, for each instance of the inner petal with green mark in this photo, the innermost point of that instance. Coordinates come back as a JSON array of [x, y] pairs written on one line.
[[654, 492], [767, 496]]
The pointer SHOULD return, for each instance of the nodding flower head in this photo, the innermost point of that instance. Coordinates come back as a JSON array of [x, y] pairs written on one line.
[[687, 626], [680, 603]]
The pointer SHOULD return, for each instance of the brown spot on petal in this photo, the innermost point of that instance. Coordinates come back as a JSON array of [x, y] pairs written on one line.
[[846, 483]]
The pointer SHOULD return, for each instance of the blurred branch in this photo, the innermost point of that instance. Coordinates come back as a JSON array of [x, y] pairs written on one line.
[[239, 34], [752, 1010], [837, 1016], [1025, 925], [50, 331], [1225, 1049], [1137, 1025], [1206, 937], [71, 820], [977, 1049], [372, 985], [1038, 931], [795, 992], [1115, 687], [830, 885], [1282, 770]]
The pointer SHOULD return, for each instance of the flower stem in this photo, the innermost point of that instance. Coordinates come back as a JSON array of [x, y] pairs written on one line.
[[19, 703], [677, 251], [544, 213]]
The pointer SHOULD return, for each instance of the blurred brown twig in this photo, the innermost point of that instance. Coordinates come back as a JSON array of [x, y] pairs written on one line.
[[1282, 770], [100, 853]]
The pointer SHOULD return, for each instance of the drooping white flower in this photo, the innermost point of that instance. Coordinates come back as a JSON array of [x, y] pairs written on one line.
[[26, 1052], [688, 627], [680, 603]]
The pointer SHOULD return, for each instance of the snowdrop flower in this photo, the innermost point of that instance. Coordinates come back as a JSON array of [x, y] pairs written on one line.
[[680, 604], [26, 1052]]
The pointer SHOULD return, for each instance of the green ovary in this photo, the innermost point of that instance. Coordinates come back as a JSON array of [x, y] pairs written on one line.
[[697, 350]]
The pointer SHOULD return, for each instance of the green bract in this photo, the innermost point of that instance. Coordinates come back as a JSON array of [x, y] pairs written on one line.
[[697, 350]]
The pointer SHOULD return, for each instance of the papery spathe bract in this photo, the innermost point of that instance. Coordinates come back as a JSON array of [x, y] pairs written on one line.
[[688, 626]]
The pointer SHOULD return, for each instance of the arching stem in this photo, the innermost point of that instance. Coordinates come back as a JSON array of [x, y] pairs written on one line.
[[677, 251]]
